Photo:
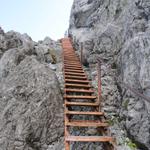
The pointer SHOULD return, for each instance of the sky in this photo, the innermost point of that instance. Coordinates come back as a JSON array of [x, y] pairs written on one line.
[[37, 18]]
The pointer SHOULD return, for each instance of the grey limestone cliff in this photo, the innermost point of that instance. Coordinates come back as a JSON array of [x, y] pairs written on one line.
[[118, 31], [31, 103]]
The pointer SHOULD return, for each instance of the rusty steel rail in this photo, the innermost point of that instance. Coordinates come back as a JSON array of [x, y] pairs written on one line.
[[81, 55], [99, 81], [135, 91], [99, 61], [125, 85]]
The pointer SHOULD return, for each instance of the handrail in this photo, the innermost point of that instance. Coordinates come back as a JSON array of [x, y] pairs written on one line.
[[135, 91], [81, 55], [99, 81], [99, 62], [98, 73], [130, 88]]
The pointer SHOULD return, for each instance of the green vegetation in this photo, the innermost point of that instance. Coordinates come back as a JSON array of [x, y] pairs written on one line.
[[113, 120], [129, 143], [125, 104]]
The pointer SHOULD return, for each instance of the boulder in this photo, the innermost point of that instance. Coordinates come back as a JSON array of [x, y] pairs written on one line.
[[31, 107]]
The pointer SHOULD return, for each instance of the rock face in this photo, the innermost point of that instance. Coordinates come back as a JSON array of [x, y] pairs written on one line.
[[118, 31], [13, 39], [31, 103], [49, 51]]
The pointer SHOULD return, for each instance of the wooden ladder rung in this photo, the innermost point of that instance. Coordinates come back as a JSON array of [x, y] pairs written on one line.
[[89, 139], [84, 113], [77, 81], [75, 77], [78, 66], [69, 51], [72, 62], [79, 97], [86, 124], [71, 57], [72, 73], [81, 104], [78, 85], [78, 90], [72, 68]]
